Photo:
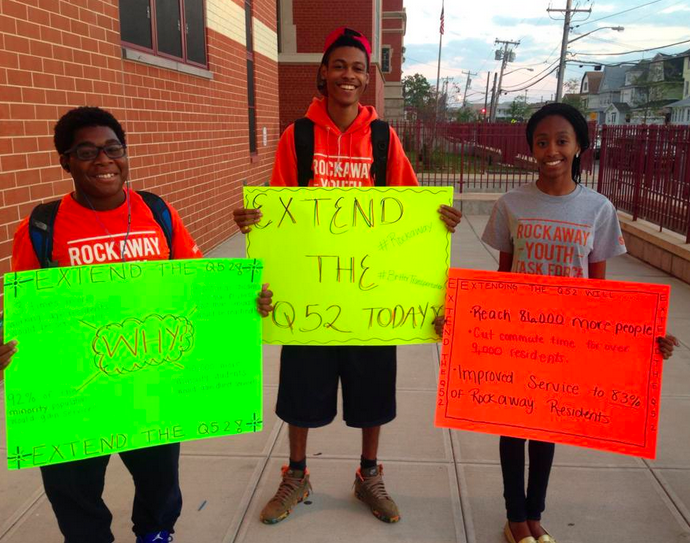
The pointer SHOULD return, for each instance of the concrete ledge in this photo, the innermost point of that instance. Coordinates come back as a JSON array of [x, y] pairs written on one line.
[[476, 203], [664, 250]]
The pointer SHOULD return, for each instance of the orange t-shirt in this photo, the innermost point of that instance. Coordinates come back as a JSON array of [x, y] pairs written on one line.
[[82, 236], [341, 159]]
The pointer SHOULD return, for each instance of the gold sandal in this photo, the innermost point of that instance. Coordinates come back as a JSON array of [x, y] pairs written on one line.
[[511, 539]]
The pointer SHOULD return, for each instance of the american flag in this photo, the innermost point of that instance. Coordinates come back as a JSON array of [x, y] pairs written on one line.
[[442, 19]]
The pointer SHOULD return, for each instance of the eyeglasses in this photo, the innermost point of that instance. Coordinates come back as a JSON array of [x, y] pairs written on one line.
[[90, 152]]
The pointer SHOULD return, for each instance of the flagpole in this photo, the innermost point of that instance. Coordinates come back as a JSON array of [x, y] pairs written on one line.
[[440, 43]]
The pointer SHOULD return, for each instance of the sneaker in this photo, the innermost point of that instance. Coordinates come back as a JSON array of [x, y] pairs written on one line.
[[369, 488], [155, 537], [294, 488]]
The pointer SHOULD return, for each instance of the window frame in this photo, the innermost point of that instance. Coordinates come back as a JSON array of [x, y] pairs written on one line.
[[183, 34], [390, 59]]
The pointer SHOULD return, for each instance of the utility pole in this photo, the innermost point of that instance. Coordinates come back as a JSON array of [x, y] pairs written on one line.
[[564, 44], [486, 95], [493, 98], [440, 44], [467, 86], [505, 56]]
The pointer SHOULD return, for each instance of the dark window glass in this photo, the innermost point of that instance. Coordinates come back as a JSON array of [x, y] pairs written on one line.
[[251, 102], [248, 25], [169, 27], [196, 37], [385, 59], [280, 40], [135, 22]]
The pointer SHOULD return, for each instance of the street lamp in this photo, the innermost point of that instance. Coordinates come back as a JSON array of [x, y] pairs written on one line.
[[518, 69], [564, 52], [616, 28]]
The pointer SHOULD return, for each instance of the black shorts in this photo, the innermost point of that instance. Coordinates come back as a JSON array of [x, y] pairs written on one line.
[[308, 389]]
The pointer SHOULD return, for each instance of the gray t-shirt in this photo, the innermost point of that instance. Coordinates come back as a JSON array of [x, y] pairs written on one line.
[[554, 235]]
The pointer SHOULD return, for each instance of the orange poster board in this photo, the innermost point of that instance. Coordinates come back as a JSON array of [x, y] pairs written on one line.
[[552, 358]]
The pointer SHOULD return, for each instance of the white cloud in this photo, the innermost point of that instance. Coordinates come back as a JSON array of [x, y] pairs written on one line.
[[673, 9]]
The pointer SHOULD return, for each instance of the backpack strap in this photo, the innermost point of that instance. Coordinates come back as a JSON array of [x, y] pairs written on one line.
[[380, 140], [304, 147], [161, 213], [41, 223]]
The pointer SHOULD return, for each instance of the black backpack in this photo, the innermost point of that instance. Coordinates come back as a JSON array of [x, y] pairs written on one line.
[[304, 147], [42, 222]]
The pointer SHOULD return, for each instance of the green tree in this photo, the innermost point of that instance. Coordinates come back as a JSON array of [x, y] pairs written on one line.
[[519, 110], [466, 115], [418, 95], [572, 95]]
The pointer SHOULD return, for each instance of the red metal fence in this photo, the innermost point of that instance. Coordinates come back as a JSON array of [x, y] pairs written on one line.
[[645, 171], [475, 156]]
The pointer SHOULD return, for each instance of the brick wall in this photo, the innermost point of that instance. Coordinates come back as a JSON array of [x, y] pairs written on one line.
[[314, 19], [188, 135]]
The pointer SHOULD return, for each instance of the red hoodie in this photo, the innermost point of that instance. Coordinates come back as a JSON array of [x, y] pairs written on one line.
[[341, 159]]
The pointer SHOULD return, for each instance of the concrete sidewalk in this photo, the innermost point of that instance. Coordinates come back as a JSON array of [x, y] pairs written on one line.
[[447, 483]]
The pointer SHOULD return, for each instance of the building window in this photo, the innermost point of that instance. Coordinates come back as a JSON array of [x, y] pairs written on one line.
[[251, 91], [687, 89], [168, 28], [585, 86], [386, 59]]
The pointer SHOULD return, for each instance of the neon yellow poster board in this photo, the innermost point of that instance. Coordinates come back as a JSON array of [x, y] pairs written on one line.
[[124, 356], [351, 266]]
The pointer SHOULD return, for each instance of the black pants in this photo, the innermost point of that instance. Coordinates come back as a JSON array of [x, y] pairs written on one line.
[[75, 488], [521, 507]]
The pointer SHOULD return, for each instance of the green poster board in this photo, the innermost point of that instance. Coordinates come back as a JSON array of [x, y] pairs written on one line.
[[124, 356], [351, 266]]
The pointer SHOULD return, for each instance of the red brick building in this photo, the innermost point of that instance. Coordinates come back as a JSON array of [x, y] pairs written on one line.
[[303, 27], [392, 56], [200, 106]]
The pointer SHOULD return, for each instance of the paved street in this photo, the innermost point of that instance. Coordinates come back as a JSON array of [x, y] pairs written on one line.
[[447, 483]]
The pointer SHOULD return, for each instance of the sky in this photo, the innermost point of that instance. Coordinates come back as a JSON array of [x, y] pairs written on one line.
[[472, 26]]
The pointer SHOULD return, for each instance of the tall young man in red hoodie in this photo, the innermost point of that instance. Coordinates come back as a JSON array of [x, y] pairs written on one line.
[[307, 394]]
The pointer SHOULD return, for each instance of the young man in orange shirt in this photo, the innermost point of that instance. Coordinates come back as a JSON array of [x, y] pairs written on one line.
[[307, 395]]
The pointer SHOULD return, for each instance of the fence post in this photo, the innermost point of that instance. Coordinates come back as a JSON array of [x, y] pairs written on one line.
[[685, 183], [602, 159], [639, 168]]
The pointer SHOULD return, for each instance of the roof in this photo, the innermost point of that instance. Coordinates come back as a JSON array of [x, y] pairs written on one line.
[[594, 79], [685, 102], [613, 79], [622, 107]]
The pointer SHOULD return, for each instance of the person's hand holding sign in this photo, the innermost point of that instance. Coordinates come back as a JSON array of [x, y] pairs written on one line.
[[666, 345], [450, 216], [245, 218], [264, 301], [7, 350]]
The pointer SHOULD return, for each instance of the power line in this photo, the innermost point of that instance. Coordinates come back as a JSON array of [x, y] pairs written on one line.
[[617, 64], [630, 52], [619, 13], [537, 75], [532, 85]]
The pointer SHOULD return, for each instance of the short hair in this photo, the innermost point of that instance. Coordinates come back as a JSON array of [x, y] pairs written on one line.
[[345, 40], [82, 117], [576, 120]]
